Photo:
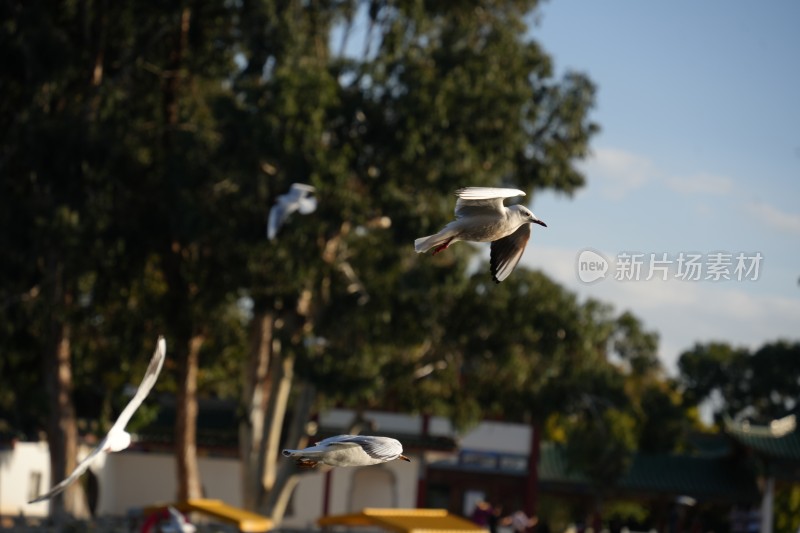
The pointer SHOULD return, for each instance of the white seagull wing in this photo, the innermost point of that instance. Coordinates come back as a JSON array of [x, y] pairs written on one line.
[[274, 220], [384, 448], [333, 440], [506, 252], [149, 380], [302, 188], [322, 447], [299, 197], [284, 206], [150, 377], [483, 201], [82, 467]]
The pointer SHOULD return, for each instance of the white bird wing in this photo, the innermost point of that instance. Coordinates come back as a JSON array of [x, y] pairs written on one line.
[[483, 201], [150, 377], [278, 215], [298, 198], [506, 252], [82, 467], [149, 380], [338, 439], [303, 187], [321, 446], [378, 447]]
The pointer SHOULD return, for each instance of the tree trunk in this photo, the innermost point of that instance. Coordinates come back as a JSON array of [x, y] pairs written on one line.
[[287, 474], [189, 339], [62, 428], [62, 433], [282, 375], [186, 423], [256, 395]]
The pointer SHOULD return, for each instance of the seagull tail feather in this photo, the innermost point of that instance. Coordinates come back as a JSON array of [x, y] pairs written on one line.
[[423, 244]]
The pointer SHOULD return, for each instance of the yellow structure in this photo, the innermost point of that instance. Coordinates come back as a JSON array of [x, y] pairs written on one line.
[[244, 520], [405, 521]]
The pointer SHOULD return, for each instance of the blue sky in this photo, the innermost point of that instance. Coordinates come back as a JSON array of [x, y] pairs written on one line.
[[699, 152]]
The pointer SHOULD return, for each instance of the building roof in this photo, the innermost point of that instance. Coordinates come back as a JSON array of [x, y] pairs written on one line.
[[702, 477], [778, 440], [405, 521], [706, 477], [716, 478]]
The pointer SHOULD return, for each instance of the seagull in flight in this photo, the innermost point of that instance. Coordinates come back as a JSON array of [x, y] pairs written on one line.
[[349, 450], [177, 523], [117, 438], [300, 198], [482, 217]]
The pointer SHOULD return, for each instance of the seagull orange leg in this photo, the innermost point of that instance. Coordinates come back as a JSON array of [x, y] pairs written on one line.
[[441, 247], [306, 463]]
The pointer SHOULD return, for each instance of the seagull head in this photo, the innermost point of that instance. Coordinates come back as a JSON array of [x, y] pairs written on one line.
[[526, 215]]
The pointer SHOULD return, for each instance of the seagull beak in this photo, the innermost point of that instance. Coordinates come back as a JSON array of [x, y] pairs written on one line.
[[404, 458], [540, 222]]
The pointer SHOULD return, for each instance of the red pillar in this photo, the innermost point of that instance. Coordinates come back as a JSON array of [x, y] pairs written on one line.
[[422, 472], [532, 480], [326, 494]]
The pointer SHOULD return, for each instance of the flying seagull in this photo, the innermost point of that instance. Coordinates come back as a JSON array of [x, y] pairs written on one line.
[[349, 450], [117, 438], [300, 198], [482, 217], [177, 523]]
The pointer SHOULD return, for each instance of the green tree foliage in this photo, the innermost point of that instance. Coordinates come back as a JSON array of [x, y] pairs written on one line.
[[761, 384], [600, 444]]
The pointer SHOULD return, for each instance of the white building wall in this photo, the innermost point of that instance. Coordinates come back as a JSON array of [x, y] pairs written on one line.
[[134, 479], [16, 468], [500, 437], [126, 479]]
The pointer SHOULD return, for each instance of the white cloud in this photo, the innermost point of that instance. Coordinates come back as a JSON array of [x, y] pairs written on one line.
[[700, 183], [774, 217], [617, 171]]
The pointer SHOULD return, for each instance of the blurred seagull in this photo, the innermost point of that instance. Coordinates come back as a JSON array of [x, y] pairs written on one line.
[[482, 217], [177, 523], [349, 450], [300, 198], [117, 438]]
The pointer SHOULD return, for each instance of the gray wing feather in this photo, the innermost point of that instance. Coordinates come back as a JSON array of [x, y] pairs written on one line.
[[377, 447], [506, 252]]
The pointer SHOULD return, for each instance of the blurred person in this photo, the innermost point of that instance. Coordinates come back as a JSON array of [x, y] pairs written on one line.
[[482, 513], [519, 521]]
